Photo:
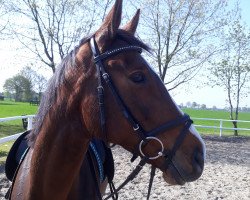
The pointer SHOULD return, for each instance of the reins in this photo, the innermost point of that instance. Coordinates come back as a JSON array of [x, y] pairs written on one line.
[[138, 129]]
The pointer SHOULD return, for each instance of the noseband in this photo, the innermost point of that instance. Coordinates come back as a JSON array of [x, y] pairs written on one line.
[[145, 136]]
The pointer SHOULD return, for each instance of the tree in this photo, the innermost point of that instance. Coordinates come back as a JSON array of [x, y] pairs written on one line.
[[51, 28], [38, 81], [194, 104], [233, 70], [19, 86], [40, 85], [3, 21], [188, 104], [181, 34], [203, 106]]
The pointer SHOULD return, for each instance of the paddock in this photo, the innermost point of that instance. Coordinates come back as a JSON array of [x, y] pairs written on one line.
[[226, 174]]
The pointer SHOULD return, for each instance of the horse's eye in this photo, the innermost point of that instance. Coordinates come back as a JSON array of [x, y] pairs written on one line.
[[137, 77]]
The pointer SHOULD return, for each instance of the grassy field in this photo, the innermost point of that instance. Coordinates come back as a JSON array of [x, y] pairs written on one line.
[[215, 114], [219, 114], [4, 149], [10, 108]]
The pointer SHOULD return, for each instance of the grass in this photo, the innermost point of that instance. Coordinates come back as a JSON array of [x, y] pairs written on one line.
[[4, 149], [6, 128], [10, 109], [215, 114], [218, 114]]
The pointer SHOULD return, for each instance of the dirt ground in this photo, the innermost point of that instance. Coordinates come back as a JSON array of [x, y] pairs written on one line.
[[226, 174]]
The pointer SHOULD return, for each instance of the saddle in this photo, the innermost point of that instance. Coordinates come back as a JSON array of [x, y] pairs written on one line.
[[98, 150], [15, 155]]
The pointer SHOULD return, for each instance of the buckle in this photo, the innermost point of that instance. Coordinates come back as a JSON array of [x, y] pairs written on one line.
[[105, 75], [136, 127]]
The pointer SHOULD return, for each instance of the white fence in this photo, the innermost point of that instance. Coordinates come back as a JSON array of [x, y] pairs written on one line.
[[220, 127], [15, 136]]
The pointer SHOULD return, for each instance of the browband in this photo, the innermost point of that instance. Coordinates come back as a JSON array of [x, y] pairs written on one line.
[[99, 57]]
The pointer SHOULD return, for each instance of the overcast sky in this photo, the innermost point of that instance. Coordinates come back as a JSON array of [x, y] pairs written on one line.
[[12, 61]]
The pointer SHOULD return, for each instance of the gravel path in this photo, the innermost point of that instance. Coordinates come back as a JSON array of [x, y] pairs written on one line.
[[226, 175]]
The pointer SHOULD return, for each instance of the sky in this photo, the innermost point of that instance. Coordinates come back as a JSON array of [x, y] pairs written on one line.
[[202, 94], [12, 61]]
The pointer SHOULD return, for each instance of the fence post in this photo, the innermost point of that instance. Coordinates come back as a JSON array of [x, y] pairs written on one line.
[[221, 127], [30, 120]]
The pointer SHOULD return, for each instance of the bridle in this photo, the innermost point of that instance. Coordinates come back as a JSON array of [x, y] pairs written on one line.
[[145, 136]]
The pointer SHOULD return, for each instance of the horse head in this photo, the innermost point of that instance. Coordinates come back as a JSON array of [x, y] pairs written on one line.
[[133, 104]]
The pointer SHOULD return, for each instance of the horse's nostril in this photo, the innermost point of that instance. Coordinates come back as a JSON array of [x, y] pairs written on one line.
[[198, 158]]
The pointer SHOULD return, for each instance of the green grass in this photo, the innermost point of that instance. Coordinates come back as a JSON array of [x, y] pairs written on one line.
[[215, 114], [10, 109], [4, 149], [219, 114]]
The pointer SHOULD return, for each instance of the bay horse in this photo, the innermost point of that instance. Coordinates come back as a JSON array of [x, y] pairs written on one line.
[[130, 107]]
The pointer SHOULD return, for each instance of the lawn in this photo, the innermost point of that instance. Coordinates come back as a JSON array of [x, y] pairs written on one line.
[[214, 114], [218, 114], [4, 149], [10, 109]]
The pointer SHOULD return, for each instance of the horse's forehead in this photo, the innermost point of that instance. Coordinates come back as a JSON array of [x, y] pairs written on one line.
[[128, 59], [146, 65]]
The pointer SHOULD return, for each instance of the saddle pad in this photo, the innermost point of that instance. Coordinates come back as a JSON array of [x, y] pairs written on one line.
[[20, 145]]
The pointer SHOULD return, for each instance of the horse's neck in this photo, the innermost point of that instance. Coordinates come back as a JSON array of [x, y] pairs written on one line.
[[62, 142], [57, 157]]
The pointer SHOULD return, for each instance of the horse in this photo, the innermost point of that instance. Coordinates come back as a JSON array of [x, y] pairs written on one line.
[[104, 89]]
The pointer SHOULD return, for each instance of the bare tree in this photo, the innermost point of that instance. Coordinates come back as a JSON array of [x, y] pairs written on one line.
[[40, 85], [38, 81], [51, 28], [3, 19], [233, 70], [181, 35], [104, 5]]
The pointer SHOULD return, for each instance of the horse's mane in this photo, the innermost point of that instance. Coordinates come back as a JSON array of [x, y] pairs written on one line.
[[50, 95]]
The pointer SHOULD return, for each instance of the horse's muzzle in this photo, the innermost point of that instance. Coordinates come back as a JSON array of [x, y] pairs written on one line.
[[178, 173]]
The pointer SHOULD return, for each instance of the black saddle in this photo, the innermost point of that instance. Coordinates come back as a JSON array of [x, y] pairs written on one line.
[[20, 145], [15, 155]]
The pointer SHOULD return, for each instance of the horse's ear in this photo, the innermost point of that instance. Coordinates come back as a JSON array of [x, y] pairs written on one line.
[[110, 25], [132, 24]]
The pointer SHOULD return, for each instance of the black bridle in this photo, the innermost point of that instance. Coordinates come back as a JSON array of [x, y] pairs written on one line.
[[145, 136]]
